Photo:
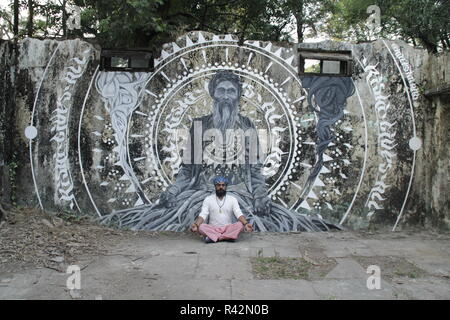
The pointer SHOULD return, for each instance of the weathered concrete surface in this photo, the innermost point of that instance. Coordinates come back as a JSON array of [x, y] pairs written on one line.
[[432, 175], [180, 266], [7, 117]]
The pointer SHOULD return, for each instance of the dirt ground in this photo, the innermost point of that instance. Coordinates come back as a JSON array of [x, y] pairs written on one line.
[[33, 238]]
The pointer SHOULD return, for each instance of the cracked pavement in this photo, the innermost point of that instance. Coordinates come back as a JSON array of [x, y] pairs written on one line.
[[413, 265]]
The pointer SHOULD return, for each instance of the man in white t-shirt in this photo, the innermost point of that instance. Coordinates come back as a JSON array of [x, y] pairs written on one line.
[[220, 208]]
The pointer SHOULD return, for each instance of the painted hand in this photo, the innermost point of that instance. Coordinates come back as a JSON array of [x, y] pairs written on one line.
[[194, 228], [262, 206]]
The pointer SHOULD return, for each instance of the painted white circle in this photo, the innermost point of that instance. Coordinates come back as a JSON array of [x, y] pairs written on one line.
[[31, 132], [415, 143]]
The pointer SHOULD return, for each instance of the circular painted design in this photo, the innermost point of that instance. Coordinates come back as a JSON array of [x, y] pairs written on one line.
[[415, 143], [132, 129], [31, 132], [273, 98]]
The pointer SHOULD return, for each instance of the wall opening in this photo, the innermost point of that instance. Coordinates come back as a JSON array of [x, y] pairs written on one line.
[[126, 60], [325, 63]]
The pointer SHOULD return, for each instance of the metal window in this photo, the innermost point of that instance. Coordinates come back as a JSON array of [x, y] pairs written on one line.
[[314, 62], [126, 60]]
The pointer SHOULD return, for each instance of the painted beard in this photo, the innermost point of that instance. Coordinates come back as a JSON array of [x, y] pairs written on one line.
[[221, 193], [224, 114]]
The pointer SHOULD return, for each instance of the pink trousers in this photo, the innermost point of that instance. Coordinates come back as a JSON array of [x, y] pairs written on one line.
[[228, 232]]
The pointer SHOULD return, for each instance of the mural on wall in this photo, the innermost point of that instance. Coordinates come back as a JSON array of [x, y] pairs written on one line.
[[121, 94], [223, 143], [329, 148], [327, 97], [60, 129], [53, 108]]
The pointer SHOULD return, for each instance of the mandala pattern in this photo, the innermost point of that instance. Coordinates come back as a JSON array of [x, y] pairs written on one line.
[[132, 128]]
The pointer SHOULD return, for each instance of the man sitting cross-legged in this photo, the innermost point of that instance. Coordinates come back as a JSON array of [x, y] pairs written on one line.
[[220, 207]]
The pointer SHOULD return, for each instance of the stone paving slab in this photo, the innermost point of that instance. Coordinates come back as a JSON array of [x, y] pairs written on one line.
[[288, 252], [399, 247], [39, 283], [347, 269], [340, 249], [176, 247], [222, 268], [264, 252], [171, 267], [191, 289], [351, 289], [436, 265], [258, 250], [285, 289], [183, 267], [423, 289]]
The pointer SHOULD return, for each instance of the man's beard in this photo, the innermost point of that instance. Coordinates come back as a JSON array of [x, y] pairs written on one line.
[[224, 115], [221, 193]]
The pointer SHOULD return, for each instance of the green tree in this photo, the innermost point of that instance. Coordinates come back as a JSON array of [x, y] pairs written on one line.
[[144, 22], [247, 19], [48, 20], [6, 24], [131, 23], [420, 22], [308, 15], [30, 24], [149, 23], [16, 10]]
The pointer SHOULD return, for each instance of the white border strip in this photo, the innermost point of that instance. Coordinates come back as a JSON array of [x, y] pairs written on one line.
[[31, 124], [79, 140], [414, 132], [366, 147]]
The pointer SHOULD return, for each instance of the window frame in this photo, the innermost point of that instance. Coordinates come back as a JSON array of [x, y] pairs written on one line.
[[344, 57], [106, 56]]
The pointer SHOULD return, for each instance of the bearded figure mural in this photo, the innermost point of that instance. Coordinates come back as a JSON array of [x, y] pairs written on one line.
[[224, 143]]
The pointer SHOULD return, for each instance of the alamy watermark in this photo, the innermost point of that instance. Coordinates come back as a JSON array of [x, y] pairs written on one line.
[[232, 146], [374, 20], [73, 282], [74, 20], [374, 280]]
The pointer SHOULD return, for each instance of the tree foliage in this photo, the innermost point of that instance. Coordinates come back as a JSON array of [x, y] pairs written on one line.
[[420, 22], [149, 23]]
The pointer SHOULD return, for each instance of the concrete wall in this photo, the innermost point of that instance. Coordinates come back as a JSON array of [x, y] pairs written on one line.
[[93, 142], [431, 187]]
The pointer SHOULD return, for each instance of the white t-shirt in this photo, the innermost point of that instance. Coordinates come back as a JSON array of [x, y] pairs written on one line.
[[220, 212]]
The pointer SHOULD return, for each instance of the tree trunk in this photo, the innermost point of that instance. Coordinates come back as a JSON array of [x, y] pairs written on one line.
[[297, 8], [431, 47], [46, 21], [205, 11], [16, 19], [64, 18], [30, 18]]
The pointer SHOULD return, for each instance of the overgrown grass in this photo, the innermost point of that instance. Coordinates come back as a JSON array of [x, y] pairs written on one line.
[[280, 268]]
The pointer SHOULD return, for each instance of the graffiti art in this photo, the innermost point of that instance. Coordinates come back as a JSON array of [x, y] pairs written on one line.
[[327, 147]]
